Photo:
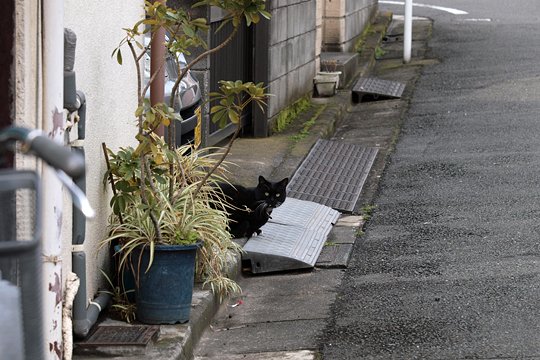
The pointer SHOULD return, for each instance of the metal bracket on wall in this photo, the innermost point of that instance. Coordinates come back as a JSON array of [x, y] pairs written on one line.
[[372, 89]]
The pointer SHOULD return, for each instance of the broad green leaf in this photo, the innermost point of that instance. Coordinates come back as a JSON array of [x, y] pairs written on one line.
[[139, 111], [150, 117], [151, 260], [233, 116], [265, 13], [119, 56], [216, 109]]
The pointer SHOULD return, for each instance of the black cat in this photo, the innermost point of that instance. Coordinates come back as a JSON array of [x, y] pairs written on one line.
[[250, 208]]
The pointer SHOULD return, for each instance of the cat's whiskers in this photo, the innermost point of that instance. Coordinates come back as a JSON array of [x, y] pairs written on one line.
[[262, 209]]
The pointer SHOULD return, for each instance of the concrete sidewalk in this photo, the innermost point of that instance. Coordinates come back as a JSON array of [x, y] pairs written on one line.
[[280, 316]]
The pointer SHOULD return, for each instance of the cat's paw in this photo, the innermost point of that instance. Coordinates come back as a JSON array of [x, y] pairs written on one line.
[[258, 231]]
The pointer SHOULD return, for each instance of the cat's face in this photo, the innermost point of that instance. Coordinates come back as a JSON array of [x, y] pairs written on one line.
[[272, 193]]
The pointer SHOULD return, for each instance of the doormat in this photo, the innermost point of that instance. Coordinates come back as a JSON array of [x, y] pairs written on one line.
[[112, 335], [372, 89], [333, 174]]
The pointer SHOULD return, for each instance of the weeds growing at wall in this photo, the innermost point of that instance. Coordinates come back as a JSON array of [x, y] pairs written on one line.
[[290, 113], [309, 124]]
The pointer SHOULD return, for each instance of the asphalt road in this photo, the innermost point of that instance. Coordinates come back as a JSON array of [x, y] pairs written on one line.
[[449, 266]]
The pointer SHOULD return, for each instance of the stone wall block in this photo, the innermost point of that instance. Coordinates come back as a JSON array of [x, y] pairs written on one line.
[[301, 50], [279, 26], [293, 21], [357, 5], [319, 12], [278, 60], [283, 3], [279, 98], [334, 8], [356, 23], [334, 30], [318, 41], [300, 81]]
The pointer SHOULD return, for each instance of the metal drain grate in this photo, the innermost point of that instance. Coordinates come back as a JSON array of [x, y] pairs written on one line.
[[120, 335], [332, 174], [376, 89], [292, 239]]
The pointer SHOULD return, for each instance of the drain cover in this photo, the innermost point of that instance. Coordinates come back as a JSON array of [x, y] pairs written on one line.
[[376, 89], [120, 335], [332, 174], [292, 239]]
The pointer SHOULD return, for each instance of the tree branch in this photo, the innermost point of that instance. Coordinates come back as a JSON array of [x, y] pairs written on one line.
[[220, 161]]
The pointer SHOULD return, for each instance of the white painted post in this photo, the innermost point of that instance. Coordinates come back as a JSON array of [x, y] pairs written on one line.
[[407, 32], [53, 125]]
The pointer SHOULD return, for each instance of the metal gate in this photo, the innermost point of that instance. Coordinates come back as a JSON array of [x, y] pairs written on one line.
[[233, 62]]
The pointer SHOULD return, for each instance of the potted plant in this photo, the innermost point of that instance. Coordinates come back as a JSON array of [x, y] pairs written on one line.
[[164, 197], [327, 81]]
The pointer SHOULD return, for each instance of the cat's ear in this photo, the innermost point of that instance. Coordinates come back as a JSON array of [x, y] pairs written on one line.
[[262, 180], [284, 182]]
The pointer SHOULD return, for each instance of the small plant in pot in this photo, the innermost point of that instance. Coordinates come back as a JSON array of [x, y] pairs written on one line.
[[327, 80], [165, 199], [158, 235]]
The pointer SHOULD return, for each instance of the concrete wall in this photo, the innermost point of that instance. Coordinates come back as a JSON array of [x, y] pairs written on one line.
[[292, 51], [299, 31], [111, 101], [319, 32], [111, 97], [26, 69], [344, 21]]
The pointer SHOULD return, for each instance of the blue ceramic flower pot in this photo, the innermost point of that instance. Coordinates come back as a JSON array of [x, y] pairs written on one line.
[[164, 292]]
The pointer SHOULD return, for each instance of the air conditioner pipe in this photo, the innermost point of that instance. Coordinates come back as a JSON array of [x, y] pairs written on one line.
[[73, 100], [79, 220], [81, 125], [85, 317], [85, 312]]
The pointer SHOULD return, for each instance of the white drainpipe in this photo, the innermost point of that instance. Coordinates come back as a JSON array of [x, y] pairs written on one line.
[[53, 125]]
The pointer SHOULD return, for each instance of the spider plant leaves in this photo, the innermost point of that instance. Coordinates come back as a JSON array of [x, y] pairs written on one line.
[[182, 218]]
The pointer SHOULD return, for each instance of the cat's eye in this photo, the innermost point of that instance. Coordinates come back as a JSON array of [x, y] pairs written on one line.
[[266, 194], [277, 195]]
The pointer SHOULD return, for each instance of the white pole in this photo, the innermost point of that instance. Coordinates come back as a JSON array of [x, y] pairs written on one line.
[[407, 32], [53, 125]]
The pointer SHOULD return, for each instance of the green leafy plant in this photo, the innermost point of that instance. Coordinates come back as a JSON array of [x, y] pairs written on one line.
[[359, 233], [360, 43], [121, 306], [167, 195], [304, 132], [367, 211], [182, 219], [379, 52], [290, 113]]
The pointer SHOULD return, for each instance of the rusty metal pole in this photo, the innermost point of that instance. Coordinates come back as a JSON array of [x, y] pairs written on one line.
[[157, 58]]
